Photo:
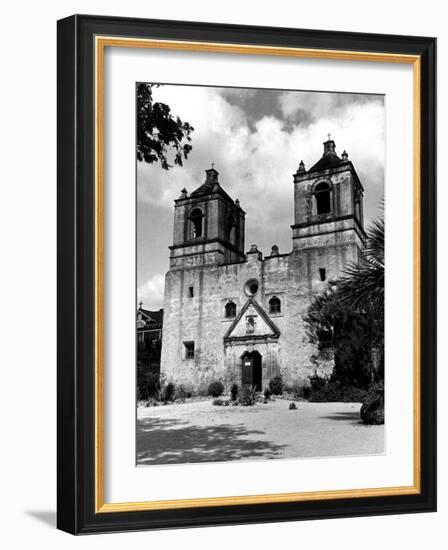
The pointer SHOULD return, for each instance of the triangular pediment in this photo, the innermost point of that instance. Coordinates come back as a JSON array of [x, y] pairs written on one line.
[[252, 322]]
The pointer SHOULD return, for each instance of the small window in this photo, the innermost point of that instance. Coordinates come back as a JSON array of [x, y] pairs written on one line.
[[191, 291], [275, 305], [230, 310], [322, 273], [323, 195], [189, 350], [250, 325], [251, 287], [196, 223]]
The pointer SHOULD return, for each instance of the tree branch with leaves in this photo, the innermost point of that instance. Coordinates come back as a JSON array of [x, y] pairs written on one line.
[[159, 132]]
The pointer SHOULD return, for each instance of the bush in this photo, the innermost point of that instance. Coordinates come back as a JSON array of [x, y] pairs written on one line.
[[221, 402], [276, 385], [318, 382], [372, 410], [168, 392], [301, 392], [202, 390], [247, 395], [181, 393], [148, 384], [152, 402], [234, 392], [377, 387], [216, 388], [331, 391], [292, 406]]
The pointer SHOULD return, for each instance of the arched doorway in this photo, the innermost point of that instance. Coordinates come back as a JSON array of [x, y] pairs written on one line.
[[251, 369]]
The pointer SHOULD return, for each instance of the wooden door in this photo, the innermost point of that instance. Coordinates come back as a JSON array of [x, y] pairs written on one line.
[[247, 370]]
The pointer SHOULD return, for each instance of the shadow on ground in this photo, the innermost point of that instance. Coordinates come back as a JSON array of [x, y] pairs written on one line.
[[345, 416], [169, 441]]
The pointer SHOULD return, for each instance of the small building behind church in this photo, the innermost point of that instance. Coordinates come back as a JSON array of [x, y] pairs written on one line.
[[234, 314], [149, 339]]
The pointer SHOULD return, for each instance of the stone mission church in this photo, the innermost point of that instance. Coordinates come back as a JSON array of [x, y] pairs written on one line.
[[237, 316]]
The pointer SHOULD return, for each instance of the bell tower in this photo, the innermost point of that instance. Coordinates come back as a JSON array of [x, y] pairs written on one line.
[[328, 213], [208, 226]]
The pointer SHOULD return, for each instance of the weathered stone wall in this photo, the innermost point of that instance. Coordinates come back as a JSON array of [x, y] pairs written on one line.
[[342, 181], [293, 278], [216, 210], [217, 272], [269, 352]]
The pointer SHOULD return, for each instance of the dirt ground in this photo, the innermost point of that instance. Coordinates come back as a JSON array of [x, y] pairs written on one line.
[[202, 432]]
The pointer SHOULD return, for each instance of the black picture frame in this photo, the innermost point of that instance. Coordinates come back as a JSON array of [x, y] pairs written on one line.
[[76, 285]]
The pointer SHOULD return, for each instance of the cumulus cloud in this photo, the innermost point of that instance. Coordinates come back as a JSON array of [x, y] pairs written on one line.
[[256, 139], [151, 292], [307, 107]]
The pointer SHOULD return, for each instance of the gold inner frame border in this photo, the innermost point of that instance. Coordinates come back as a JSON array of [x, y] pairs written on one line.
[[101, 42]]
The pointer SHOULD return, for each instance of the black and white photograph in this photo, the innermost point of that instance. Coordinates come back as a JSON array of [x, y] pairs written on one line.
[[260, 274], [220, 243]]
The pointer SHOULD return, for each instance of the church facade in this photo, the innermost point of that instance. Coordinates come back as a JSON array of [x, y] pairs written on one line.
[[236, 315]]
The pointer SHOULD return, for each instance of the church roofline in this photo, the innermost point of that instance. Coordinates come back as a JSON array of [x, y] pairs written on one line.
[[210, 187], [272, 256], [208, 197], [341, 167]]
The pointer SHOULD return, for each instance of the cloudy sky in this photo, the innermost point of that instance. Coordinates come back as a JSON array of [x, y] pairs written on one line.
[[256, 139]]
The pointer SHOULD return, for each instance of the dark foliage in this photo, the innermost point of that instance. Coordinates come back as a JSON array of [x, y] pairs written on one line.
[[148, 384], [327, 389], [221, 402], [301, 392], [372, 410], [267, 393], [168, 392], [182, 393], [234, 392], [247, 395], [276, 385], [215, 388], [347, 336], [159, 132], [347, 322], [362, 287]]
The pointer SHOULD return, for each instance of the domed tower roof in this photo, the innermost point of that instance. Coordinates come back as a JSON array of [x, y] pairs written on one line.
[[210, 185], [329, 158]]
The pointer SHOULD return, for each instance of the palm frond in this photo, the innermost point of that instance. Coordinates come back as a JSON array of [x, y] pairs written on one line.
[[362, 285], [375, 241]]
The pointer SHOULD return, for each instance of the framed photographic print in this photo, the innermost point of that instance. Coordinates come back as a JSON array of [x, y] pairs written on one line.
[[246, 270]]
